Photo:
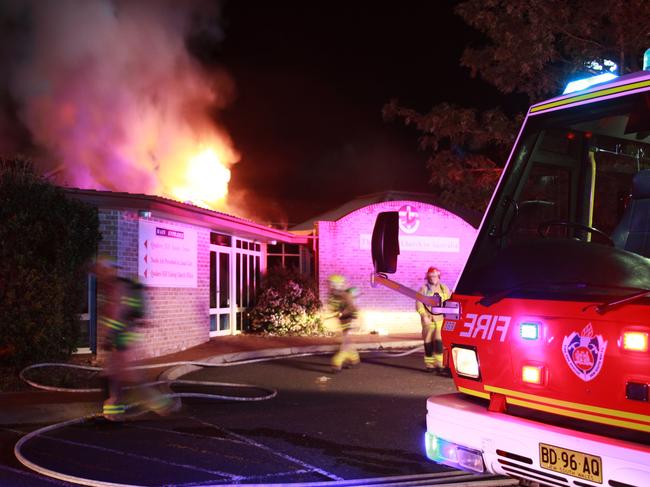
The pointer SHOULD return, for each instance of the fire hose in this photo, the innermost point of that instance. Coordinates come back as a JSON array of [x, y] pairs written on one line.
[[270, 393]]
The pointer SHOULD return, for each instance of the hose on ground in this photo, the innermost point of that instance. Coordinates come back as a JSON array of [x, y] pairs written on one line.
[[270, 393]]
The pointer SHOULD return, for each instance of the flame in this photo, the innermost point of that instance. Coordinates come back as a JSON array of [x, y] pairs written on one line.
[[113, 100], [204, 181]]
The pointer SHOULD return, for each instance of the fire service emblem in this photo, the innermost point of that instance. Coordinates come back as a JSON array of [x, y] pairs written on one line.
[[584, 352], [409, 219]]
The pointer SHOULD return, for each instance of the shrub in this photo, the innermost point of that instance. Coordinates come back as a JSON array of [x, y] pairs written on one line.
[[287, 304], [45, 241]]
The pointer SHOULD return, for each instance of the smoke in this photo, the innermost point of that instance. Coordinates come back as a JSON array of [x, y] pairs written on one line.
[[107, 94]]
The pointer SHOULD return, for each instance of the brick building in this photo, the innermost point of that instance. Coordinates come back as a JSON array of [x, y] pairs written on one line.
[[430, 234], [201, 268]]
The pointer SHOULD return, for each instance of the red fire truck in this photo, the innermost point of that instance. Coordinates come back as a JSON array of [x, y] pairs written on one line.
[[546, 334]]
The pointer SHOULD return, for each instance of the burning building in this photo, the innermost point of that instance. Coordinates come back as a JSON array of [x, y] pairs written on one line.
[[201, 268]]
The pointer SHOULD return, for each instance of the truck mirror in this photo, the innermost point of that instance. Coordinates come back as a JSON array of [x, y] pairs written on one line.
[[385, 242]]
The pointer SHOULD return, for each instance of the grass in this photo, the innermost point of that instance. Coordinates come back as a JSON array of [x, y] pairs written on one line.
[[10, 382], [52, 376]]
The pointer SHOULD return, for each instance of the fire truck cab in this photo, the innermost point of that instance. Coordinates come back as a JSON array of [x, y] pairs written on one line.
[[546, 333]]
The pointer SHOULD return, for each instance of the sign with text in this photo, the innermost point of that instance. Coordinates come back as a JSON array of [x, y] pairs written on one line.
[[167, 255], [415, 243]]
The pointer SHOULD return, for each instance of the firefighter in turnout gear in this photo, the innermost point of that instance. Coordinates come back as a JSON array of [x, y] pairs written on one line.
[[341, 302], [120, 308], [432, 324]]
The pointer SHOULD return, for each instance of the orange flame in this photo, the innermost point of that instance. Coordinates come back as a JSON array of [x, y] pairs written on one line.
[[114, 100], [204, 180]]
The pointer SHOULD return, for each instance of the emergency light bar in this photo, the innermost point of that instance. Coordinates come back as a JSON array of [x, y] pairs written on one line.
[[584, 83]]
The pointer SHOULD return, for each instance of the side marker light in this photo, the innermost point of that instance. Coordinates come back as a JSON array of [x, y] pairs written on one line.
[[636, 341], [532, 374]]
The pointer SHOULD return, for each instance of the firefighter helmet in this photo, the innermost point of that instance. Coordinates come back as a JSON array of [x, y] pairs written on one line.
[[433, 270], [337, 281], [105, 265]]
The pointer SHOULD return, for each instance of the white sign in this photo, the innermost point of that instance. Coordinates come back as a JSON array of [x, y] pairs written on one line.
[[167, 255], [412, 243]]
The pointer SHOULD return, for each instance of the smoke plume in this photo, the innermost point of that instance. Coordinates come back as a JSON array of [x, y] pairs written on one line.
[[105, 95]]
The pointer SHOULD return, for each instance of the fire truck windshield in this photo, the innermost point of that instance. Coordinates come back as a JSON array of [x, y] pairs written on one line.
[[573, 207]]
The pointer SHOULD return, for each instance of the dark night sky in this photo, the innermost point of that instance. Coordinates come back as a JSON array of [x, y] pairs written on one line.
[[311, 80]]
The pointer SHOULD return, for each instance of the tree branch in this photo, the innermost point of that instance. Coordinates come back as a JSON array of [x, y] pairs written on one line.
[[581, 39]]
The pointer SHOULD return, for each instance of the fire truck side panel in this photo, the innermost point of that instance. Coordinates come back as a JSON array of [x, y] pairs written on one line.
[[576, 382]]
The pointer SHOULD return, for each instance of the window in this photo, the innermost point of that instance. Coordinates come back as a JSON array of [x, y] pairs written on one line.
[[283, 255], [560, 218], [220, 239], [545, 197], [247, 280]]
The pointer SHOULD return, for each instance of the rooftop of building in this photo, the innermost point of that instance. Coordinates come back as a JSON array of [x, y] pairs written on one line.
[[187, 212], [470, 216]]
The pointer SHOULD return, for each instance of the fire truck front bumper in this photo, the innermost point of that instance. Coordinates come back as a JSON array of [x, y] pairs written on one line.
[[462, 433]]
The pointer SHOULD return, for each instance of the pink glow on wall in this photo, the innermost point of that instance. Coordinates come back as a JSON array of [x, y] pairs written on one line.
[[429, 236]]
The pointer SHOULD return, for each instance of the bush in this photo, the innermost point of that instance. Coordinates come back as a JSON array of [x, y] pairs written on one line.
[[287, 304], [45, 241]]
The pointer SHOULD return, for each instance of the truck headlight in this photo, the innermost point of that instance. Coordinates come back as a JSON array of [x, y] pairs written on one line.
[[466, 361]]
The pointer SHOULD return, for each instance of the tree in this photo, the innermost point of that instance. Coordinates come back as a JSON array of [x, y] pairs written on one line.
[[46, 239], [535, 46], [465, 145], [530, 47]]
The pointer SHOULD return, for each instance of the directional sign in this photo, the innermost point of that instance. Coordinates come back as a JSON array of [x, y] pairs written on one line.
[[167, 255]]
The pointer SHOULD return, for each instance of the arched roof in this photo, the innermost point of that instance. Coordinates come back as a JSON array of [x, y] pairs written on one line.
[[471, 217]]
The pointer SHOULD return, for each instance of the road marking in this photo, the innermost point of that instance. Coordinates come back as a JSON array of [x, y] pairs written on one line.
[[151, 459], [268, 449], [453, 478], [32, 475], [194, 435], [210, 483]]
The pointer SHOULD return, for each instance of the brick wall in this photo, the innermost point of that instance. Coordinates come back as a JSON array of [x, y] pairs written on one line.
[[178, 317], [342, 251]]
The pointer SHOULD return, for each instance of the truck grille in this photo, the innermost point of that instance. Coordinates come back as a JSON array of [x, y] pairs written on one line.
[[512, 463], [533, 474]]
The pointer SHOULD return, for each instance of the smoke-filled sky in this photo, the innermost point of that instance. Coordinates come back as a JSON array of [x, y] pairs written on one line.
[[279, 100], [109, 97]]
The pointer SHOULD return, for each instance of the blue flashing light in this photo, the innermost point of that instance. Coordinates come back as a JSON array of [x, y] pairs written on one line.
[[431, 446], [529, 331], [448, 453], [584, 83]]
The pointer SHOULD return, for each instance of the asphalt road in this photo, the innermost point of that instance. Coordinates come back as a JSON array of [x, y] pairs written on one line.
[[359, 423]]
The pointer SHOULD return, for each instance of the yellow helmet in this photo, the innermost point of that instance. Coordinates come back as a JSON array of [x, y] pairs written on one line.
[[105, 265], [337, 281]]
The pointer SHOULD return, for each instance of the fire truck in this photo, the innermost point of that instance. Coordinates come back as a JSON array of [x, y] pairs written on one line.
[[546, 333]]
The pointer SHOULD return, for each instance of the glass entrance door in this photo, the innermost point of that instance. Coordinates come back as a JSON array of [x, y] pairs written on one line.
[[247, 280], [234, 282], [220, 291]]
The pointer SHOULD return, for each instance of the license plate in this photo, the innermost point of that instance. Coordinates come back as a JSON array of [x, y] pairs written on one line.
[[571, 462]]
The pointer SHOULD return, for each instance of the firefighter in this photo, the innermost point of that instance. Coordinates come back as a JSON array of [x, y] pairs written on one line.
[[120, 307], [341, 302], [432, 324]]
